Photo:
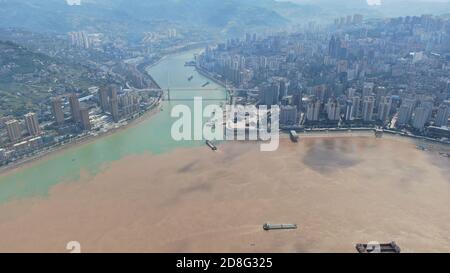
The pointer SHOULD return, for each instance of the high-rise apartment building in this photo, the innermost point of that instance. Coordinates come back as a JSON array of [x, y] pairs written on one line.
[[442, 115], [368, 106], [313, 110], [32, 124], [420, 117], [356, 106], [104, 99], [384, 108], [75, 108], [14, 130], [404, 114], [57, 110], [288, 115], [85, 121], [368, 89], [114, 104], [333, 110]]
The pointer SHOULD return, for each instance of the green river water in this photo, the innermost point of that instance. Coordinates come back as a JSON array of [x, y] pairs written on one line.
[[152, 135]]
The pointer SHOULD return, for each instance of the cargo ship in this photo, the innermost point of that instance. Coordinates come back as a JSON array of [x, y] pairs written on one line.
[[190, 63], [391, 247], [422, 148], [268, 226], [294, 136], [379, 133], [211, 145]]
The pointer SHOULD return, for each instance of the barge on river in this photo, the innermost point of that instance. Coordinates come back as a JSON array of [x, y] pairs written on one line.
[[268, 226], [391, 247]]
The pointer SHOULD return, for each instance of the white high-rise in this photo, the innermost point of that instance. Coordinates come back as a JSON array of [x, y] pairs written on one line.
[[420, 117], [313, 110], [333, 110], [368, 106], [32, 124], [356, 106], [442, 115], [384, 108]]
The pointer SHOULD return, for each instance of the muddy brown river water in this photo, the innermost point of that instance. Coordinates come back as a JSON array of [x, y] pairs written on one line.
[[339, 191]]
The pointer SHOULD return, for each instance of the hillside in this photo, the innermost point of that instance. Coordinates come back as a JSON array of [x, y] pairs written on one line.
[[388, 8], [136, 16], [28, 79]]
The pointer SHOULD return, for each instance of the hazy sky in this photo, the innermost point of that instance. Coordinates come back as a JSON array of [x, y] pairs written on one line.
[[371, 2]]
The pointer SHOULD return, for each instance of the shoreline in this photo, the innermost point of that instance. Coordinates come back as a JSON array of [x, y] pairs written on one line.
[[30, 161], [6, 170], [207, 75], [185, 48]]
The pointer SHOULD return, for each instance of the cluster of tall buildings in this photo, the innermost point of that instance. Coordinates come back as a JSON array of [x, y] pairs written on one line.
[[79, 115], [80, 39], [118, 105], [110, 101], [71, 115], [419, 111], [391, 73], [356, 19], [14, 128], [20, 143]]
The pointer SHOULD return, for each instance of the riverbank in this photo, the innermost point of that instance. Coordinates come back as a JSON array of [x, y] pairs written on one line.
[[181, 49], [369, 131], [29, 161], [211, 77]]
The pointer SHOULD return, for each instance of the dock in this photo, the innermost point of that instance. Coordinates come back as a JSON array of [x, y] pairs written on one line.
[[268, 226]]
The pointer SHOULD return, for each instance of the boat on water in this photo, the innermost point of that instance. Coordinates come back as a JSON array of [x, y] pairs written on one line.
[[391, 247], [190, 63], [190, 78], [211, 124], [206, 83], [379, 133], [422, 148], [268, 226], [211, 145], [294, 136]]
